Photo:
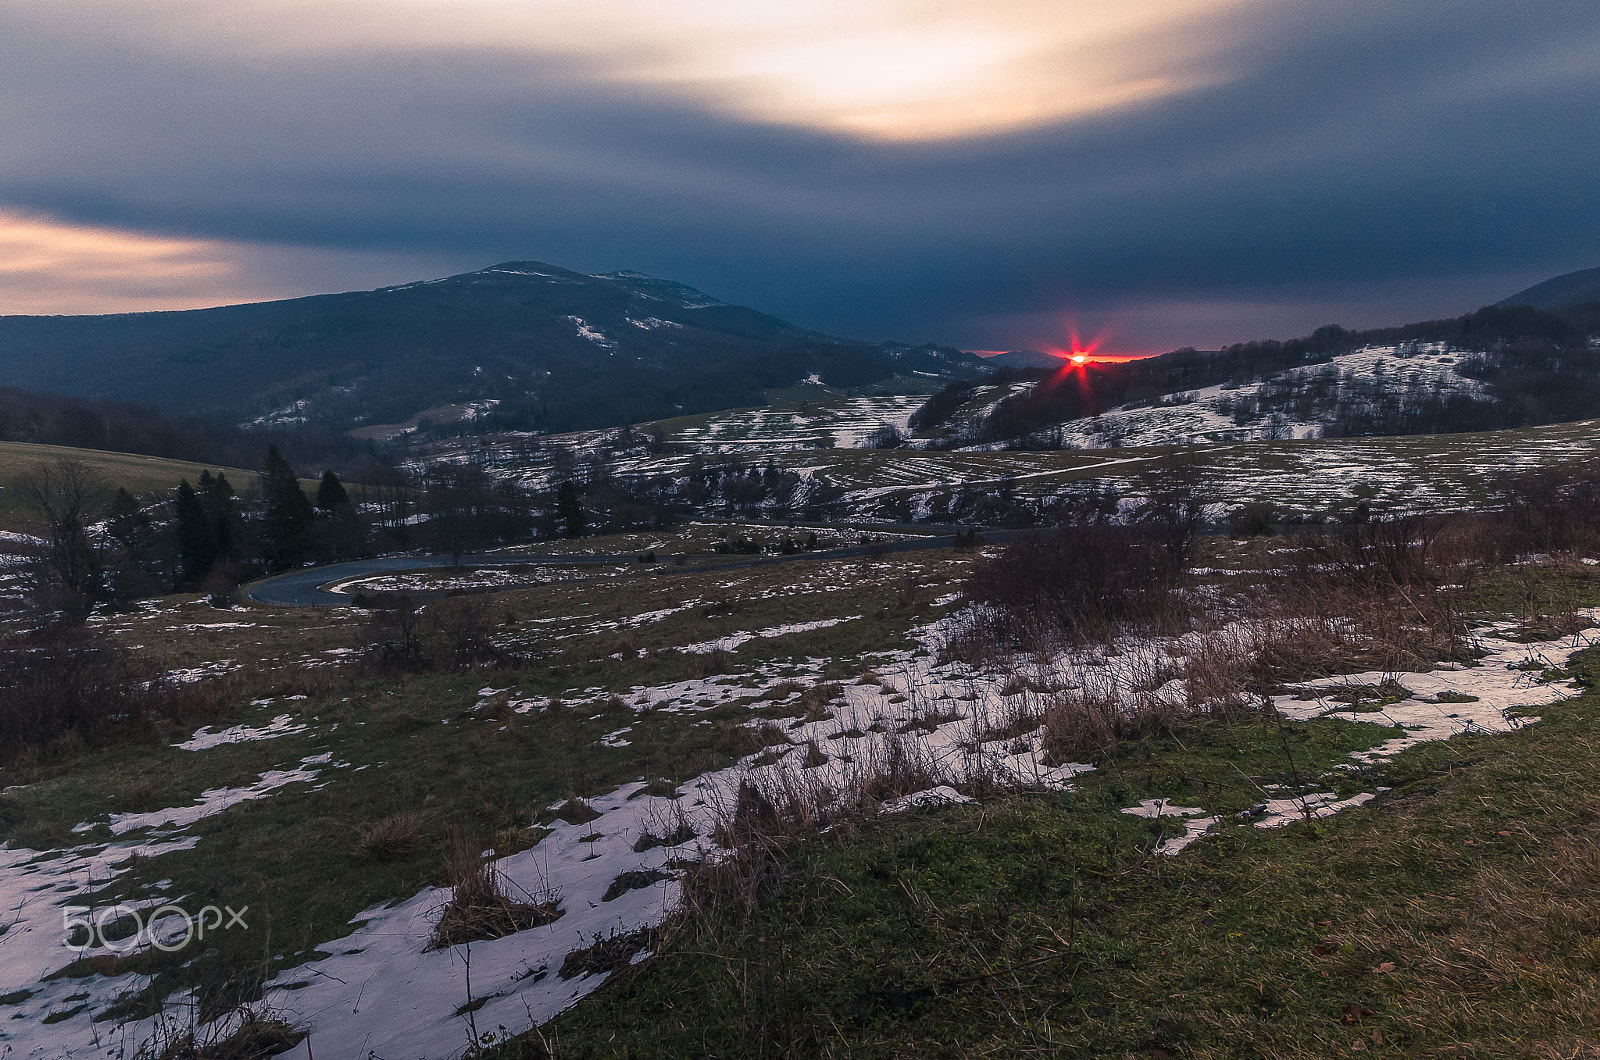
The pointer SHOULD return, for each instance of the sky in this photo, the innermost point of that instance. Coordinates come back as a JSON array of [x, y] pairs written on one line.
[[990, 174]]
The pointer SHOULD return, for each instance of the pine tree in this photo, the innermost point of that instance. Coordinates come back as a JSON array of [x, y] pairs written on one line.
[[222, 508], [287, 526], [569, 511], [340, 533], [197, 541], [134, 564], [127, 523], [331, 496]]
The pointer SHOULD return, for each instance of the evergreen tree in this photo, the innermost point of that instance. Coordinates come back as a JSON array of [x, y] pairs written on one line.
[[134, 564], [340, 533], [197, 541], [127, 523], [286, 528], [222, 508], [569, 512], [331, 496]]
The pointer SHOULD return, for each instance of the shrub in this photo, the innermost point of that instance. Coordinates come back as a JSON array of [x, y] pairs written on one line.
[[1084, 580], [395, 836], [65, 689], [480, 905]]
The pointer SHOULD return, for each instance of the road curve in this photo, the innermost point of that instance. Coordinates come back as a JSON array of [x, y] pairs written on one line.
[[305, 587]]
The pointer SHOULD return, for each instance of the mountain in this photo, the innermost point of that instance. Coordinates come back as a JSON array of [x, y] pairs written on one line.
[[520, 345], [1023, 359], [1573, 288]]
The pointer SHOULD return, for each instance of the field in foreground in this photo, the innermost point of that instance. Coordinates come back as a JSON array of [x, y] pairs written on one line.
[[1450, 917], [591, 731]]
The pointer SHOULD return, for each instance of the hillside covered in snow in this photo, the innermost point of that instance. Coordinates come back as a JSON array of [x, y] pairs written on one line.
[[1494, 369]]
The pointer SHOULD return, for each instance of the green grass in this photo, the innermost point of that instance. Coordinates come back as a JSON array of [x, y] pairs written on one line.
[[1452, 918], [295, 857], [1029, 923], [137, 474], [131, 471]]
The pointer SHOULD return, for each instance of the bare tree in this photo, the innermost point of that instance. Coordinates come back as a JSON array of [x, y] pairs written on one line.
[[66, 497]]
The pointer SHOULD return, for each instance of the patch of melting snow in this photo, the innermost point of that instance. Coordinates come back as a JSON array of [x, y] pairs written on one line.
[[36, 889], [1507, 679], [282, 725], [385, 992], [200, 673], [943, 795], [733, 641], [1193, 827], [209, 802]]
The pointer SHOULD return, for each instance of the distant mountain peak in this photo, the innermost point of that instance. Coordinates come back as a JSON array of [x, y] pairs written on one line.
[[1559, 292]]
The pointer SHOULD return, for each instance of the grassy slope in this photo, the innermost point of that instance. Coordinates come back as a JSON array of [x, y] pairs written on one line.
[[914, 937], [137, 474], [1453, 917], [295, 858]]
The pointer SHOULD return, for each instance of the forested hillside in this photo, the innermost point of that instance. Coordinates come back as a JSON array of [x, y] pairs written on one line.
[[521, 345]]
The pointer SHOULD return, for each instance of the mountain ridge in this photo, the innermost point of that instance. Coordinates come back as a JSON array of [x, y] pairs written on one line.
[[543, 347], [1558, 292]]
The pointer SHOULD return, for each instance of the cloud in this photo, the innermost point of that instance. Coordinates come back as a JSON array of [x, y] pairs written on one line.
[[1292, 153], [48, 266], [891, 69]]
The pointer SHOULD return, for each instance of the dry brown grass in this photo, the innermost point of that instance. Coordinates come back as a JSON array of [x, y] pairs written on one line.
[[481, 906], [257, 1036], [398, 835]]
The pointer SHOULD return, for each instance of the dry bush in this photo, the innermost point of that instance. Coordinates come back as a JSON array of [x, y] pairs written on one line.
[[1220, 673], [1084, 582], [574, 811], [977, 638], [480, 905], [63, 690], [633, 880], [454, 633], [462, 634], [1548, 511], [776, 808], [257, 1034], [1394, 551], [1081, 724], [610, 954], [711, 663], [815, 700], [679, 834], [896, 768], [398, 835], [749, 739]]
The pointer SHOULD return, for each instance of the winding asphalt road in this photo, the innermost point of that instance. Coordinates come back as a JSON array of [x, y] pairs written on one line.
[[305, 587]]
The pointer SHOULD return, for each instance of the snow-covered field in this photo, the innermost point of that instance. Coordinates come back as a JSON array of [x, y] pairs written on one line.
[[1207, 415]]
